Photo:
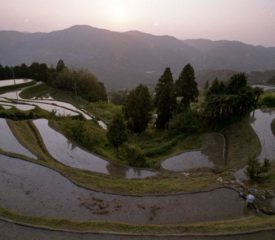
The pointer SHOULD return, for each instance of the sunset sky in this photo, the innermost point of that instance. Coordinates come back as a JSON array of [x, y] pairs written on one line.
[[251, 21]]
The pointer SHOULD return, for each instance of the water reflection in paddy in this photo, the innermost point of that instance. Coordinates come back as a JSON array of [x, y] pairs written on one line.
[[11, 82], [9, 143], [210, 156], [66, 152], [260, 121], [22, 107]]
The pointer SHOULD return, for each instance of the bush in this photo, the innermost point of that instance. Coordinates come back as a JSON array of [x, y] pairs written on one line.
[[82, 133], [268, 100], [134, 156], [187, 122], [255, 169]]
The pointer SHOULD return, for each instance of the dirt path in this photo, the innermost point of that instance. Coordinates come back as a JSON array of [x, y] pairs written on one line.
[[11, 231], [34, 190]]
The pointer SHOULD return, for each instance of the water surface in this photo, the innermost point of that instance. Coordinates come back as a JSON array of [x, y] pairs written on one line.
[[210, 156], [5, 83], [8, 141], [260, 121], [64, 151], [35, 190]]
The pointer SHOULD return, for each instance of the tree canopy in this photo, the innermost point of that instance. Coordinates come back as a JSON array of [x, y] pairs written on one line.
[[234, 98], [137, 109], [117, 131], [186, 87], [165, 99]]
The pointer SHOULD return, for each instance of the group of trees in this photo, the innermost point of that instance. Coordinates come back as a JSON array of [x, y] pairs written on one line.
[[173, 98], [233, 98], [79, 82]]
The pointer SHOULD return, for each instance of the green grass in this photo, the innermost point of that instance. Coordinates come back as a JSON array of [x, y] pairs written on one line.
[[253, 223], [103, 110], [16, 87], [159, 145], [156, 145], [242, 143], [267, 99], [25, 133], [36, 91]]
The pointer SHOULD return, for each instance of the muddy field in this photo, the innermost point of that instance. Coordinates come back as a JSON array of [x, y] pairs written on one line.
[[34, 190]]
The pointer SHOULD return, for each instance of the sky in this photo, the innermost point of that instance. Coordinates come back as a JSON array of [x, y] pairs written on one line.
[[250, 21]]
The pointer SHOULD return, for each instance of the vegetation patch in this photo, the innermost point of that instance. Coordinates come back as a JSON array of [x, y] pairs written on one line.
[[242, 143], [16, 114], [36, 91], [240, 225], [267, 99]]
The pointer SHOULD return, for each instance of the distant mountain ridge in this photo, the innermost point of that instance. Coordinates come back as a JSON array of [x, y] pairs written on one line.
[[124, 59]]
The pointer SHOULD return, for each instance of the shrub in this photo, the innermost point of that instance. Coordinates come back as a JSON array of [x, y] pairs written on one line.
[[134, 156], [255, 169], [187, 122]]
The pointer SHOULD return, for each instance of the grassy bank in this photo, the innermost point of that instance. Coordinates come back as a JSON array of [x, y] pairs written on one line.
[[156, 145], [244, 224], [242, 143], [36, 91]]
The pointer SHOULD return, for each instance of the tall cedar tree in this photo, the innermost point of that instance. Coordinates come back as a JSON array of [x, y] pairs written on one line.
[[137, 109], [186, 87], [60, 66], [117, 131], [165, 99]]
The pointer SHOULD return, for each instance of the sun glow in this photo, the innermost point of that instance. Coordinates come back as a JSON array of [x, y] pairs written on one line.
[[119, 13]]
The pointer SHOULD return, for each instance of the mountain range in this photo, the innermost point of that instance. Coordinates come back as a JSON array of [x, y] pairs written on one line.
[[125, 59]]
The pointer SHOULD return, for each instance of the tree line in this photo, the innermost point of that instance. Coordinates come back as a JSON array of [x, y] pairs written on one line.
[[176, 105], [80, 82]]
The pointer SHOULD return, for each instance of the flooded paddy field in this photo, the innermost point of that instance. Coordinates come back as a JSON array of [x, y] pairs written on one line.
[[35, 190], [64, 151], [8, 141], [211, 155]]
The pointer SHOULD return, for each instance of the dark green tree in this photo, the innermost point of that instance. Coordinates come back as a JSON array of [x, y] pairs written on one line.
[[137, 109], [255, 169], [117, 132], [60, 66], [186, 87], [233, 99], [165, 99], [81, 83]]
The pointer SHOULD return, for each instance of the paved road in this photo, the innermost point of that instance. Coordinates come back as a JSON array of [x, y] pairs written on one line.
[[11, 231]]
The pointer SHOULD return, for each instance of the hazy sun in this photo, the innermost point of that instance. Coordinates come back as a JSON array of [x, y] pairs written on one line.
[[119, 13]]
